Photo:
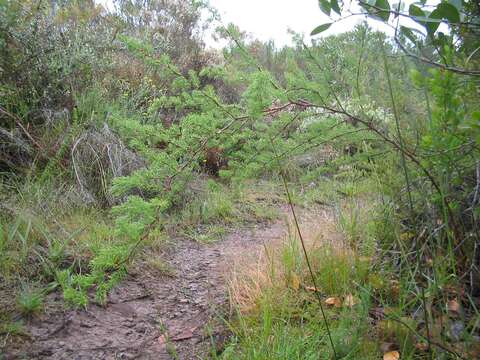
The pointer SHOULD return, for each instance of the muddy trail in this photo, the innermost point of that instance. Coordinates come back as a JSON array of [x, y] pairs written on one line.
[[151, 315]]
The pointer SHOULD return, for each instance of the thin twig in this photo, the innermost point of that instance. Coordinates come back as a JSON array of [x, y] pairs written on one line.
[[18, 121], [454, 69], [410, 200], [305, 253]]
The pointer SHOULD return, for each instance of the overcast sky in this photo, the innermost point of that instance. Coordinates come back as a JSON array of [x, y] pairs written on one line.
[[270, 19]]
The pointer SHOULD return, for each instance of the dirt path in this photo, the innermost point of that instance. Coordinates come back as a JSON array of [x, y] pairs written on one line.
[[151, 316]]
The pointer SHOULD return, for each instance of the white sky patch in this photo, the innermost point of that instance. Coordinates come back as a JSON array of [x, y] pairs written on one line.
[[271, 19]]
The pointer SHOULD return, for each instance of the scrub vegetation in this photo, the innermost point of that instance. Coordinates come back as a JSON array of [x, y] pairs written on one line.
[[122, 133]]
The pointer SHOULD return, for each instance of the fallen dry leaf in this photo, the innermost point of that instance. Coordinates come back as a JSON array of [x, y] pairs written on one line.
[[391, 355], [453, 305], [453, 290], [350, 300], [335, 301], [162, 340], [311, 288], [422, 346]]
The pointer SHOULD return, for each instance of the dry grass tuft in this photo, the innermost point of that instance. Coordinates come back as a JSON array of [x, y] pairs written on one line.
[[98, 156], [279, 266]]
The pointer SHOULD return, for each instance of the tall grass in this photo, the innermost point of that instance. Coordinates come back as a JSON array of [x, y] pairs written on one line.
[[362, 261], [276, 315]]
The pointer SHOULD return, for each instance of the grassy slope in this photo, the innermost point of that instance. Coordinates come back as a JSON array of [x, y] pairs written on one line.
[[367, 306]]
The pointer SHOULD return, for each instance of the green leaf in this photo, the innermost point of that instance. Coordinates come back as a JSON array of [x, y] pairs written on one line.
[[408, 33], [457, 3], [384, 5], [443, 11], [476, 115], [441, 40], [320, 28], [417, 15], [448, 12], [367, 4], [428, 19], [415, 11], [325, 6], [433, 21], [379, 9], [335, 7]]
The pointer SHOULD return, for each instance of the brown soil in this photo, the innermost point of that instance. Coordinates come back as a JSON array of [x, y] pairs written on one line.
[[150, 315]]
